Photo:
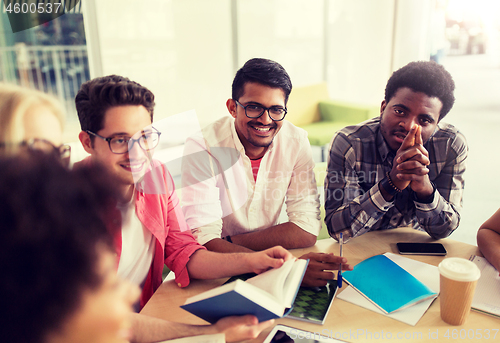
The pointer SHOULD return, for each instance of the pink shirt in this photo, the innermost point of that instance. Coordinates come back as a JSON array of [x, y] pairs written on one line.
[[157, 207]]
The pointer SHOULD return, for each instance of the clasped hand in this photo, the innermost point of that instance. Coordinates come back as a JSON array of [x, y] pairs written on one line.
[[410, 164]]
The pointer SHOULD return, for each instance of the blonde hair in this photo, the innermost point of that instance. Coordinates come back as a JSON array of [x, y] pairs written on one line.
[[15, 102]]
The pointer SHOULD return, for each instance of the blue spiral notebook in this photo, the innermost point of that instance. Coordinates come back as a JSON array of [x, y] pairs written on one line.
[[386, 284]]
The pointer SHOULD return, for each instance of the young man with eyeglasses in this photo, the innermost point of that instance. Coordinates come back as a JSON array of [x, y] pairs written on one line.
[[238, 172], [116, 117]]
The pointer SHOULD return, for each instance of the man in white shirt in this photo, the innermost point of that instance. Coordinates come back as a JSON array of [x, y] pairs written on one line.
[[240, 170]]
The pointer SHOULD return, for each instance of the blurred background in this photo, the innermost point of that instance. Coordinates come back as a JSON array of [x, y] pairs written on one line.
[[187, 52]]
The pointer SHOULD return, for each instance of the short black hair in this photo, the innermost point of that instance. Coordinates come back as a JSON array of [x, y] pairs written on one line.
[[51, 226], [427, 77], [98, 95], [263, 71]]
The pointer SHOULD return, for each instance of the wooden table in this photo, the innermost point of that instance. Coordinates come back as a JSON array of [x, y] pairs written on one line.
[[347, 321]]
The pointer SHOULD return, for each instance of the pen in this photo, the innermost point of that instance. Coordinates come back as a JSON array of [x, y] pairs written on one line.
[[339, 275]]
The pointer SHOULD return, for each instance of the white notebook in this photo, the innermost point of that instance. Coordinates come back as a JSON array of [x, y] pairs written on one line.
[[426, 273], [487, 295]]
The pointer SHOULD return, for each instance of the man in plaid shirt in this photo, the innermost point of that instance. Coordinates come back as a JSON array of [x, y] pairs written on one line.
[[403, 168]]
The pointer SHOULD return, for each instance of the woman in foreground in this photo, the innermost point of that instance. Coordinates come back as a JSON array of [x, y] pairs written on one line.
[[57, 261]]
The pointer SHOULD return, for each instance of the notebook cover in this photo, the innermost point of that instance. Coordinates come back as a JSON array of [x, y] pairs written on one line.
[[227, 304], [386, 284]]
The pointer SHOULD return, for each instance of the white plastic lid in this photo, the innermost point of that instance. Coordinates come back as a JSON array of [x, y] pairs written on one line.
[[459, 269]]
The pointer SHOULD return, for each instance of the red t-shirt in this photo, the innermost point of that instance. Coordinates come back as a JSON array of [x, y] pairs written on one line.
[[255, 167]]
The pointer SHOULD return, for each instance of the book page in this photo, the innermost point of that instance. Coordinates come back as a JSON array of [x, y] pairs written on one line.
[[273, 281], [282, 283], [292, 281], [258, 295], [487, 295]]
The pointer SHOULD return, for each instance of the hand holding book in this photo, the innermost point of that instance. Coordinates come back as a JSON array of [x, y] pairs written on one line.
[[241, 327], [271, 258]]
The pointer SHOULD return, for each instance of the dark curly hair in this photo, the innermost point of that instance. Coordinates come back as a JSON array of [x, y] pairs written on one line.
[[427, 77], [98, 95], [51, 224], [263, 71]]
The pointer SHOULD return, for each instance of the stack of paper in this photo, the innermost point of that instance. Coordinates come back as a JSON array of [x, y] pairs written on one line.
[[427, 274], [487, 296]]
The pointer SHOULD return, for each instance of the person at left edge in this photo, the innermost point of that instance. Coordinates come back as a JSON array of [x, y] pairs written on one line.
[[31, 120], [57, 259], [488, 239], [116, 116]]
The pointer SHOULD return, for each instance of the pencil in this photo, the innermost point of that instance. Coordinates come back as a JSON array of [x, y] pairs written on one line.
[[339, 275]]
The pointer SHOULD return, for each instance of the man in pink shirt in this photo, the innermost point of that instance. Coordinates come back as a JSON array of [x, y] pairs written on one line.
[[116, 117]]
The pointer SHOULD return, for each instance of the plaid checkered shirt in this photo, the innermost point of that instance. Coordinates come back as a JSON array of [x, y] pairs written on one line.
[[360, 158]]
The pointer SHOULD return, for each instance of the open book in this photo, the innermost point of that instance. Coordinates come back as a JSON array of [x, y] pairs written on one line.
[[267, 296], [487, 295], [311, 304], [386, 284]]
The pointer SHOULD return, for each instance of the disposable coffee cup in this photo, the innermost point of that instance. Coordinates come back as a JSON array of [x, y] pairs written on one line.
[[458, 279]]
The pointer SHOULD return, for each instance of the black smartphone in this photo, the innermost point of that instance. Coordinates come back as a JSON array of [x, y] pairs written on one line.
[[421, 249]]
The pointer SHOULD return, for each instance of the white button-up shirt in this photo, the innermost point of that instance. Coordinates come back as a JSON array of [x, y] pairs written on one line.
[[220, 196]]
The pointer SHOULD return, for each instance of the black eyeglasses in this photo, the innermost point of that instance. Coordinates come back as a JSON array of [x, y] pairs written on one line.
[[44, 145], [148, 140], [63, 151], [276, 113]]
